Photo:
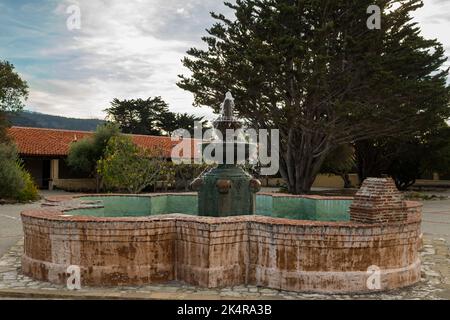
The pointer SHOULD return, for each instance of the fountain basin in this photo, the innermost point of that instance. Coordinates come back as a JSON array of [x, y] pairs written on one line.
[[157, 245], [277, 205]]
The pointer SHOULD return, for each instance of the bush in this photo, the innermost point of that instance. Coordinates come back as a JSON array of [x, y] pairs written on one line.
[[15, 182], [29, 192], [185, 173], [129, 168], [85, 154], [11, 181]]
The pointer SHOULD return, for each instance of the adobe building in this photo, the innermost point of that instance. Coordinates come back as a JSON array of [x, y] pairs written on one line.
[[44, 153]]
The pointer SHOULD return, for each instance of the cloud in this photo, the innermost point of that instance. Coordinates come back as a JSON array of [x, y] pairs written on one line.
[[124, 49], [434, 21]]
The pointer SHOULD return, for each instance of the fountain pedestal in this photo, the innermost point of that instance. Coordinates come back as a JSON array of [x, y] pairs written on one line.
[[227, 191]]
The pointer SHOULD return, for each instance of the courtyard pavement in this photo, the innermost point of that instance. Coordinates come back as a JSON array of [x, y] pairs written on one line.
[[435, 282], [436, 216], [10, 224]]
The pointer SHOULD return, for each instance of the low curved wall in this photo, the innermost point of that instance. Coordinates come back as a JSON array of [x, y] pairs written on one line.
[[218, 252]]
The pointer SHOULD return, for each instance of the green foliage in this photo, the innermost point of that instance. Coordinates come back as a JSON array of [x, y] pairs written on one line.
[[407, 166], [340, 162], [81, 156], [171, 121], [13, 90], [11, 181], [15, 182], [313, 70], [437, 155], [149, 117], [84, 154], [30, 191], [185, 173], [4, 124], [429, 152], [138, 116], [406, 158], [127, 167]]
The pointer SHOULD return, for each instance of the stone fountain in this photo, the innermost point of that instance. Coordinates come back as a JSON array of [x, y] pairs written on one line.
[[227, 190], [366, 243]]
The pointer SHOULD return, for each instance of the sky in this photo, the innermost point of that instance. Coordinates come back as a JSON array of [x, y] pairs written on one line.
[[123, 49]]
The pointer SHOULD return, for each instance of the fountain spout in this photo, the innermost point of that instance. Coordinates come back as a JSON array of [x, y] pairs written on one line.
[[228, 106], [227, 190]]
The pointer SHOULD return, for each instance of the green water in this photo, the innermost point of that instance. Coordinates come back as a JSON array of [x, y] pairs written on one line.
[[281, 207]]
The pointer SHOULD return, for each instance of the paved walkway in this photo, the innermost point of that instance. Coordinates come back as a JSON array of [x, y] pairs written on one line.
[[10, 224], [436, 216]]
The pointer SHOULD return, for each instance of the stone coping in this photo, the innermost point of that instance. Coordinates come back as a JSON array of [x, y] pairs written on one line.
[[274, 195], [62, 213], [408, 203]]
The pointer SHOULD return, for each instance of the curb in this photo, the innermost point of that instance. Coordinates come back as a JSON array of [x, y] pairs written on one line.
[[102, 295], [58, 294]]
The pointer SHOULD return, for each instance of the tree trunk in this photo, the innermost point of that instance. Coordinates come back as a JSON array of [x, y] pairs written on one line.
[[97, 183], [370, 161], [301, 162], [347, 182]]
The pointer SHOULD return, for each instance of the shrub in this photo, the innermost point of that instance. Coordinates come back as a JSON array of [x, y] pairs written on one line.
[[29, 192], [15, 182], [127, 167], [185, 173], [85, 154], [11, 180]]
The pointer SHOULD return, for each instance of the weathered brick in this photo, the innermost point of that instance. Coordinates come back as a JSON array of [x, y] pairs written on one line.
[[223, 252]]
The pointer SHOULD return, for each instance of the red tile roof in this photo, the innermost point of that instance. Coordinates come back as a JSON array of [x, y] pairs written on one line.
[[56, 142]]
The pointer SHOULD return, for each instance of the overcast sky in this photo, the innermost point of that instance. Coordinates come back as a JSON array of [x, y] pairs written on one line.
[[124, 49]]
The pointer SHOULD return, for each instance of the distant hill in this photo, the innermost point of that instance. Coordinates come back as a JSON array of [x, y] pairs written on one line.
[[41, 120]]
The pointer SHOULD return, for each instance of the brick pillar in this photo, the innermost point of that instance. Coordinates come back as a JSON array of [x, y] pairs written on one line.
[[378, 201]]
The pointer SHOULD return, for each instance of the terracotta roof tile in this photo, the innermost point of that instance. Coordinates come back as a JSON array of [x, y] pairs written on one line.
[[56, 142]]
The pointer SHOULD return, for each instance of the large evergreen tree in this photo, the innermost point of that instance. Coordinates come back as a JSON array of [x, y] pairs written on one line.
[[314, 70], [138, 116], [149, 117], [13, 91], [171, 121]]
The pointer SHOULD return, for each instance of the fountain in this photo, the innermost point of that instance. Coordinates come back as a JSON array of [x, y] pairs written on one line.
[[227, 235], [227, 190]]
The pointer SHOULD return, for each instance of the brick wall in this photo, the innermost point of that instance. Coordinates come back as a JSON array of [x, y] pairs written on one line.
[[219, 252], [378, 201]]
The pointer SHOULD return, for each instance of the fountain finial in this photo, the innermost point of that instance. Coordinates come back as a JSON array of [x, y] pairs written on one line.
[[228, 105], [227, 120], [229, 96]]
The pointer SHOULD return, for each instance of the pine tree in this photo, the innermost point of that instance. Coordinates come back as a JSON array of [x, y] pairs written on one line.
[[314, 70]]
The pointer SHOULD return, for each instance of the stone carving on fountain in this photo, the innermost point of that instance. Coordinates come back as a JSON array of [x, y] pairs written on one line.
[[227, 190]]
